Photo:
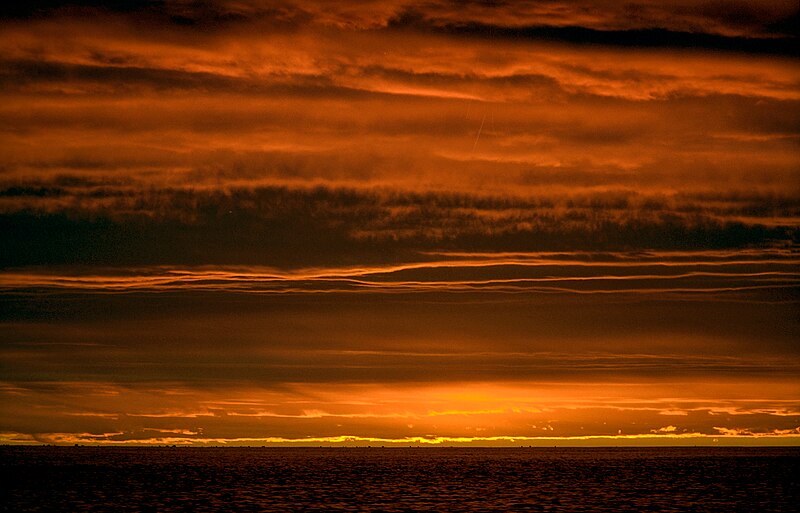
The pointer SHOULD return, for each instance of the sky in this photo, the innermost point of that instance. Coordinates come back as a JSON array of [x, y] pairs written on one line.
[[400, 222]]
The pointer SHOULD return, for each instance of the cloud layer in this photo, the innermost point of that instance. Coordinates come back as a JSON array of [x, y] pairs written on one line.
[[405, 222]]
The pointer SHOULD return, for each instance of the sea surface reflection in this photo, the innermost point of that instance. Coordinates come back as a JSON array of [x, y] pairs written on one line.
[[399, 479]]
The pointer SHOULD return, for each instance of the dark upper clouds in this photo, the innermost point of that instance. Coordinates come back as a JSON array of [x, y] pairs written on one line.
[[52, 7], [51, 224], [782, 44], [729, 17], [176, 14], [78, 90]]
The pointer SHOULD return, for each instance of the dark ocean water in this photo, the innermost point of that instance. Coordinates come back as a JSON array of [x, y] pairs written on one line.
[[399, 479]]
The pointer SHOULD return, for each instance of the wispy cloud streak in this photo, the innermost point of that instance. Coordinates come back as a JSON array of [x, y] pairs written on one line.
[[534, 273]]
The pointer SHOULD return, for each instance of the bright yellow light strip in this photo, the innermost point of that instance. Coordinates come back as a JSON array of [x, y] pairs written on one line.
[[683, 439]]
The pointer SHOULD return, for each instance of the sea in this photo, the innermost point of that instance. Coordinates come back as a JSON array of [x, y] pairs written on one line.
[[441, 479]]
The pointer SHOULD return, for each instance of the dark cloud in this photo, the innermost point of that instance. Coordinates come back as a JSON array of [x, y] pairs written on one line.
[[743, 14], [297, 227], [632, 38], [177, 14], [789, 25], [759, 27], [37, 8]]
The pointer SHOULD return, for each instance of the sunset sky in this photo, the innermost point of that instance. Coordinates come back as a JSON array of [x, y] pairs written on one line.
[[400, 222]]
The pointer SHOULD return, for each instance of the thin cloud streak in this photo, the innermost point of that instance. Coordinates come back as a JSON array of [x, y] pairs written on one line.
[[219, 281], [564, 272]]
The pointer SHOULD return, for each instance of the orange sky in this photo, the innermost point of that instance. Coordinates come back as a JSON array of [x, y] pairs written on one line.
[[539, 222]]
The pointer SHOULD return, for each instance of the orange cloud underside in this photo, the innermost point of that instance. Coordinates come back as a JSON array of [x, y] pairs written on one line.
[[495, 413]]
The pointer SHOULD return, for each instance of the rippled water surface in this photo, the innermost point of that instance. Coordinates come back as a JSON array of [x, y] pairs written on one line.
[[399, 479]]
